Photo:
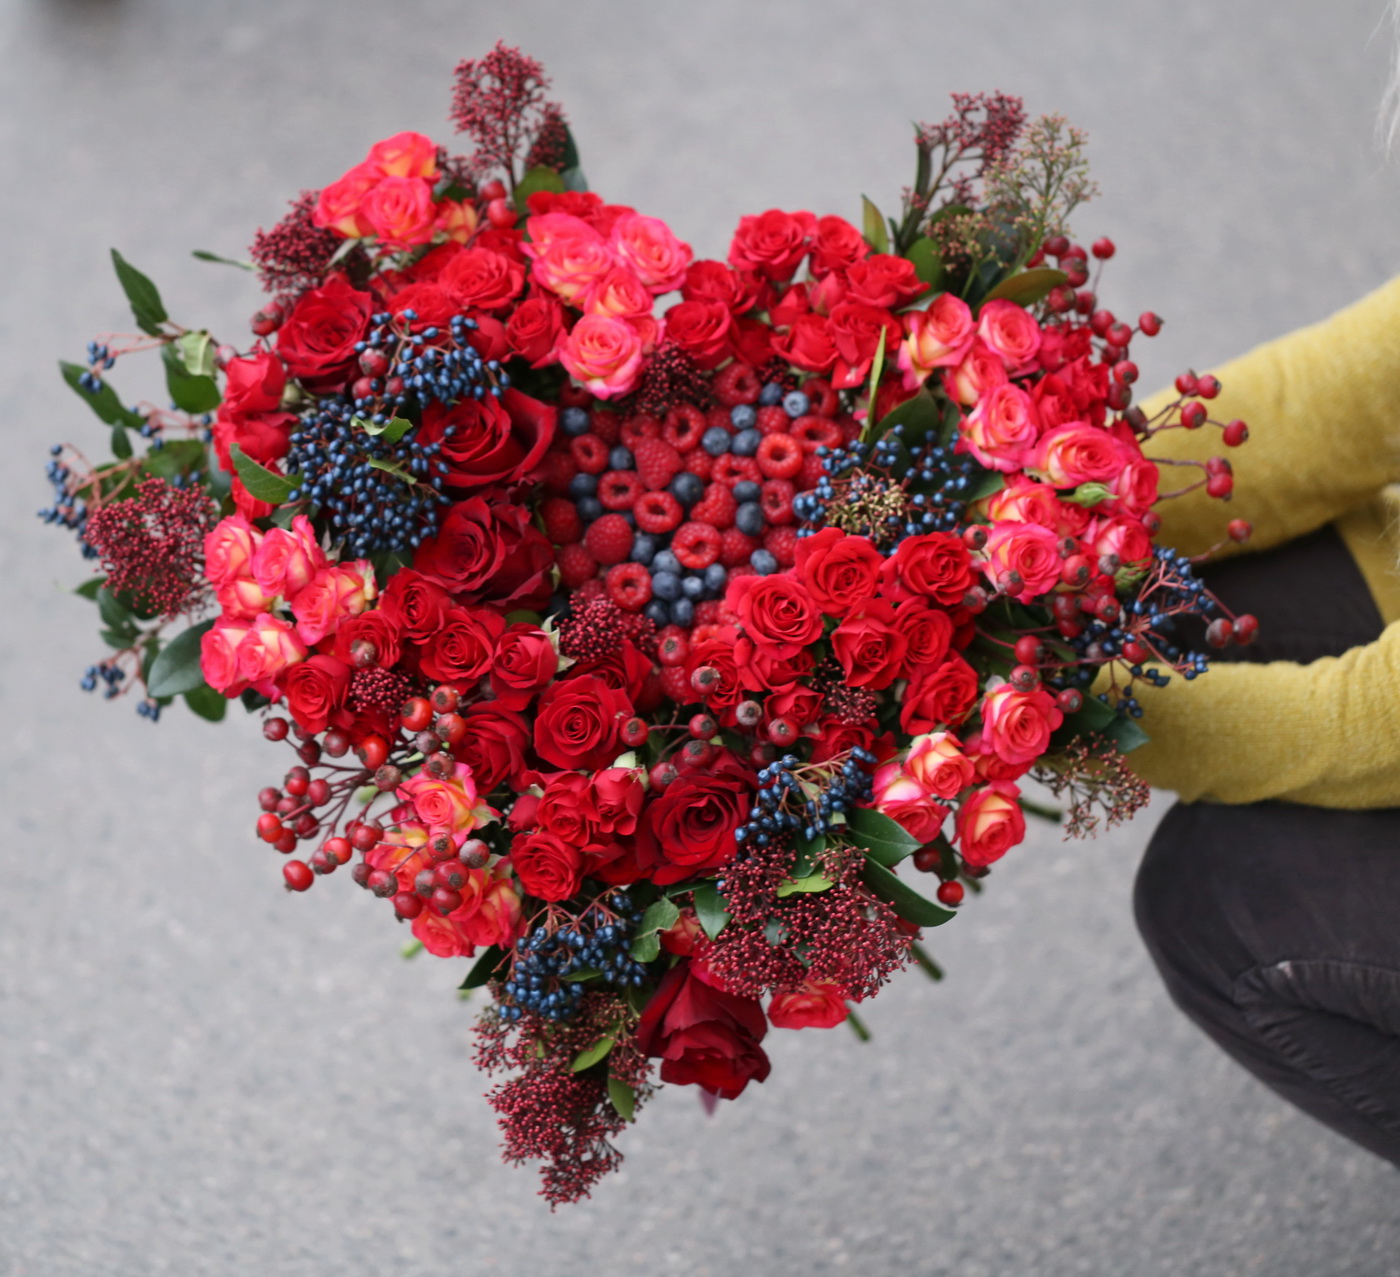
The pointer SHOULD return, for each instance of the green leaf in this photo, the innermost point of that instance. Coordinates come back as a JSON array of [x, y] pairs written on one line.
[[598, 1051], [1088, 495], [176, 669], [205, 256], [491, 964], [390, 431], [261, 482], [1126, 734], [877, 367], [920, 416], [571, 156], [907, 902], [795, 886], [709, 908], [928, 265], [194, 393], [1027, 288], [857, 1025], [874, 227], [88, 589], [1039, 810], [196, 351], [206, 702], [179, 456], [574, 179], [623, 1097], [537, 179], [115, 614], [885, 841], [391, 467], [661, 916], [582, 974], [646, 948], [1092, 716], [990, 482], [121, 445], [929, 967], [105, 402], [142, 294]]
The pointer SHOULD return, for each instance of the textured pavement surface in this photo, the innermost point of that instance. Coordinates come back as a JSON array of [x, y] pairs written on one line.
[[201, 1075]]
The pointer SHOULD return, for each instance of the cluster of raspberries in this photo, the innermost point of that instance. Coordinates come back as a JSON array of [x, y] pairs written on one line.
[[664, 512]]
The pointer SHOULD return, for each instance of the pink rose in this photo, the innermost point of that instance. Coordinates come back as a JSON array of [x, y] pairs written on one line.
[[404, 155], [938, 337], [568, 254], [330, 596], [1017, 725], [904, 800], [1126, 538], [1001, 430], [980, 369], [229, 549], [452, 806], [1076, 453], [268, 648], [1136, 485], [1023, 500], [286, 560], [243, 597], [603, 353], [938, 765], [456, 220], [218, 655], [647, 245], [990, 823], [1029, 549], [400, 211], [1011, 332]]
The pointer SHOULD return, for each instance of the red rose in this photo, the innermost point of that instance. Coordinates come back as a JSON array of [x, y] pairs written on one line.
[[776, 612], [773, 243], [622, 666], [737, 291], [753, 342], [534, 329], [703, 329], [488, 338], [839, 571], [492, 440], [463, 648], [253, 383], [525, 662], [869, 646], [689, 827], [855, 331], [577, 722], [933, 566], [762, 671], [415, 604], [548, 867], [836, 246], [813, 1006], [487, 549], [265, 436], [495, 747], [884, 281], [836, 737], [315, 689], [808, 344], [376, 628], [717, 653], [479, 278], [799, 705], [429, 301], [790, 307], [942, 697], [317, 341], [618, 795], [703, 1036], [928, 634], [502, 241], [566, 808]]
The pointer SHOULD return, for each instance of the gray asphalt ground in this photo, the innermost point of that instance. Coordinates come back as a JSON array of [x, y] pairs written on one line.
[[201, 1075]]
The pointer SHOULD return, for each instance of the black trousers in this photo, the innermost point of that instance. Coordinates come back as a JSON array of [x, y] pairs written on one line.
[[1276, 927]]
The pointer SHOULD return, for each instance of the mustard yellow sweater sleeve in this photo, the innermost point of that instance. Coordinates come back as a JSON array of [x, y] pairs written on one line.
[[1323, 407]]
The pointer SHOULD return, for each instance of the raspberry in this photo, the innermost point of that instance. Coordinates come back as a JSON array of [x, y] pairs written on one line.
[[850, 429], [684, 427], [695, 544], [629, 586], [738, 383], [675, 682], [811, 473], [591, 453], [657, 462], [778, 457], [640, 427], [561, 522], [590, 591], [606, 425], [657, 512], [698, 462], [825, 402], [609, 539], [773, 420], [559, 469], [777, 501], [710, 612], [781, 543], [719, 417], [576, 566], [735, 547], [730, 469], [619, 489], [717, 507], [812, 432]]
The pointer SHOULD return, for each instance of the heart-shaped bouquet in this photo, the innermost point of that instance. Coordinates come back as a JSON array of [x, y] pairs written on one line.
[[639, 653]]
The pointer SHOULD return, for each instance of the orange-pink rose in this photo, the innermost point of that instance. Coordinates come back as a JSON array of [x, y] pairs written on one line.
[[1077, 453], [334, 593], [404, 155], [1029, 549], [1017, 725], [978, 372], [229, 549], [1001, 430], [938, 337], [338, 206], [450, 806], [648, 246], [286, 560], [937, 763], [989, 823], [604, 353], [1011, 332], [400, 211]]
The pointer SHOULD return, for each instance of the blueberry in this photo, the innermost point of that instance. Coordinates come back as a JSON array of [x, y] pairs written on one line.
[[629, 518], [583, 485], [574, 421], [746, 490], [693, 586], [763, 562], [589, 508], [771, 394], [643, 548], [743, 416], [716, 577], [796, 404], [715, 441], [666, 585], [745, 443], [621, 458], [683, 613], [665, 561], [749, 519], [687, 488]]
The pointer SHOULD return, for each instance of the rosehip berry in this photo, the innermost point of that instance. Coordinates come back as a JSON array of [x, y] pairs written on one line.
[[1024, 678], [704, 679], [307, 825], [1207, 387], [500, 214], [673, 647], [266, 321], [359, 875], [975, 536], [450, 728], [1085, 300], [1076, 570], [1108, 608], [1029, 650], [1220, 486], [1219, 632], [1246, 628], [424, 883], [269, 827], [1149, 324], [297, 782], [950, 893], [416, 713], [748, 714], [702, 726], [309, 752], [1120, 335], [1119, 396], [697, 753], [1152, 523], [426, 742], [1101, 321], [365, 835], [1077, 276], [441, 847], [1193, 415], [762, 754], [372, 752], [286, 805], [446, 698], [1240, 529], [475, 854], [339, 850], [782, 731], [1056, 245], [322, 863], [1234, 434], [287, 842], [1186, 383], [1134, 652], [976, 600], [387, 777], [495, 189], [1070, 701], [441, 766], [662, 774], [336, 743], [927, 859], [407, 905], [269, 798], [382, 883], [634, 732], [297, 875], [452, 874], [1059, 300], [1125, 372], [1103, 248], [275, 728]]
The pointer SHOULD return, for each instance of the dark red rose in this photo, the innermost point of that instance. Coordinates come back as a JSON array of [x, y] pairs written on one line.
[[377, 628], [776, 612], [492, 440], [761, 671], [836, 737], [577, 722], [566, 808], [253, 383], [840, 571], [264, 436], [855, 331], [938, 698], [773, 243], [428, 267], [484, 279], [432, 305], [495, 747], [736, 290], [836, 246], [883, 280], [618, 794], [505, 242], [534, 329], [689, 827], [623, 667], [488, 338], [790, 307], [463, 648], [614, 863], [808, 344], [799, 705], [487, 549], [869, 645], [415, 604], [753, 342], [548, 867], [525, 662], [317, 341], [928, 633], [703, 1036], [703, 329], [933, 566], [315, 689]]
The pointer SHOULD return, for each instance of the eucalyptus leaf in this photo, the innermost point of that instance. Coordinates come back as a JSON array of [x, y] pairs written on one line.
[[105, 402], [143, 295], [390, 431], [1027, 288], [885, 841], [905, 901], [709, 909], [623, 1098], [598, 1051], [177, 670], [660, 916], [876, 235], [646, 948], [206, 702], [261, 482]]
